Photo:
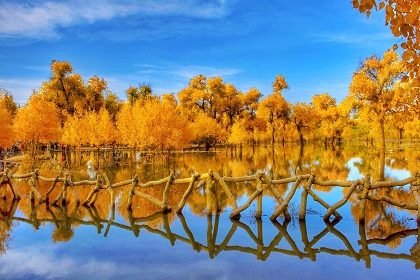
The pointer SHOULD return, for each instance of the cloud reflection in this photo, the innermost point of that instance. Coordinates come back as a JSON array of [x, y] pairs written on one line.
[[38, 262]]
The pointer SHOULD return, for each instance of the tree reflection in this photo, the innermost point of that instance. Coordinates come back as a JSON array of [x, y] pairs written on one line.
[[285, 161], [214, 243]]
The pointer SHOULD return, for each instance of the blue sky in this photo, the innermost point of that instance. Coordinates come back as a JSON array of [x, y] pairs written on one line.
[[315, 45]]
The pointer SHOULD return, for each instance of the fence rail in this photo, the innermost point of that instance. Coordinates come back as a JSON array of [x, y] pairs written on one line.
[[212, 181]]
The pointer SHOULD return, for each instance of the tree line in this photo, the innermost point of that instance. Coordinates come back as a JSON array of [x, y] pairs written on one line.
[[382, 102]]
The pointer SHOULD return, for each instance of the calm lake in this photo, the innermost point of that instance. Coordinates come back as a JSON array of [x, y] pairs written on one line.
[[73, 241]]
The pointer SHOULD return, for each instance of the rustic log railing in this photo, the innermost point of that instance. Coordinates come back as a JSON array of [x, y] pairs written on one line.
[[212, 181], [262, 249]]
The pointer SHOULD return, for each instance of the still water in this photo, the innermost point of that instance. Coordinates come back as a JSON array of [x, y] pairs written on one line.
[[104, 242]]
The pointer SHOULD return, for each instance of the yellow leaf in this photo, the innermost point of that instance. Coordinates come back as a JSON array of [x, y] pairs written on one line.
[[406, 56], [381, 5]]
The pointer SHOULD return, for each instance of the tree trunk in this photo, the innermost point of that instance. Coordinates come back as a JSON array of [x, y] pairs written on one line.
[[382, 134], [381, 174], [272, 134], [400, 135], [299, 130]]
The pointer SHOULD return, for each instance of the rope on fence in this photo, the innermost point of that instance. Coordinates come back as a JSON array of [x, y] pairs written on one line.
[[212, 180]]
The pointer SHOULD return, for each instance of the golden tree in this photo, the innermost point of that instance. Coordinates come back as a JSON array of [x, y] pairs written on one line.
[[72, 130], [274, 108], [251, 100], [8, 100], [64, 88], [169, 99], [112, 104], [402, 16], [152, 124], [332, 118], [232, 104], [68, 91], [37, 122], [143, 92], [241, 133], [162, 126], [94, 95], [372, 87], [106, 130], [304, 118], [6, 120], [127, 129], [207, 95], [206, 131], [412, 129]]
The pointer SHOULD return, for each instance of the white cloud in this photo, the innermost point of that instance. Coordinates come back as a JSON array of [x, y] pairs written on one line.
[[44, 262], [41, 19], [20, 88], [164, 78], [194, 70], [354, 39]]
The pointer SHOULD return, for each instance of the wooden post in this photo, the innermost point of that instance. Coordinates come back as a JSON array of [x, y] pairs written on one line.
[[322, 202], [187, 192], [225, 188], [286, 201], [65, 185], [131, 192], [109, 188], [276, 195], [93, 191], [209, 192], [6, 178], [304, 198], [259, 188], [342, 201], [47, 196], [165, 207], [362, 205], [234, 214], [73, 189], [33, 182]]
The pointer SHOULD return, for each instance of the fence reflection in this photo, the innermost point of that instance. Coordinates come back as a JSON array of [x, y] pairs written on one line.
[[66, 220]]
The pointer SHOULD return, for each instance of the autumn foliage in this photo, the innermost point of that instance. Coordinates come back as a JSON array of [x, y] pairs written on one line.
[[37, 122], [383, 102], [403, 18], [7, 136]]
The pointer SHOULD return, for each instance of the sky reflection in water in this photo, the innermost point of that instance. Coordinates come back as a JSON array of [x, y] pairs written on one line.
[[245, 249]]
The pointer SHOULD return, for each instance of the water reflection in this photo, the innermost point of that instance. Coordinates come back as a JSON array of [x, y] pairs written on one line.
[[279, 162], [387, 232], [65, 220]]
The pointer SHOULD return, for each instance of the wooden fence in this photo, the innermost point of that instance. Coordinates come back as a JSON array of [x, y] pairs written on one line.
[[212, 181], [61, 217]]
